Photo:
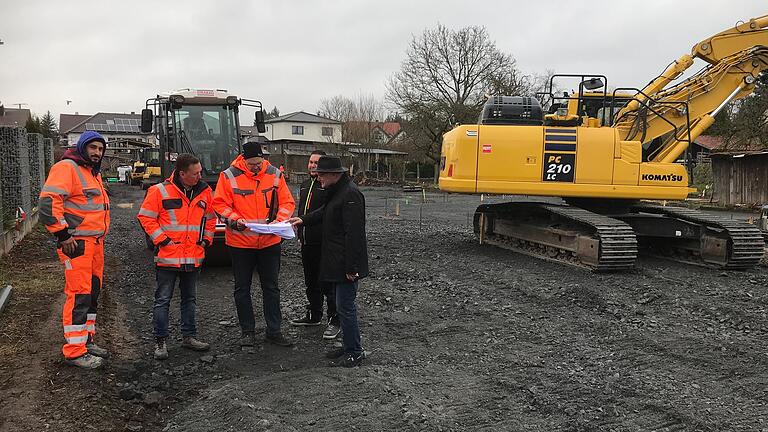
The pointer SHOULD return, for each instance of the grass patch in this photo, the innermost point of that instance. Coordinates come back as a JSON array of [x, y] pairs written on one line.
[[37, 278]]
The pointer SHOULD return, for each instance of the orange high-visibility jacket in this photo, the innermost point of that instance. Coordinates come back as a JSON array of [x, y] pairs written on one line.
[[178, 225], [241, 194], [73, 202]]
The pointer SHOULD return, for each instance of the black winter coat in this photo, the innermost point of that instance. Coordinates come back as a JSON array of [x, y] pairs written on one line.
[[310, 189], [344, 249]]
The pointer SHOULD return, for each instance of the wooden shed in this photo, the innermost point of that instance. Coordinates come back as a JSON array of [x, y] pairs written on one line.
[[740, 178]]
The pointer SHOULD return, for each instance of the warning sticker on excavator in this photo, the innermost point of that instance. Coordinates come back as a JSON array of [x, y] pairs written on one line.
[[486, 148], [559, 167]]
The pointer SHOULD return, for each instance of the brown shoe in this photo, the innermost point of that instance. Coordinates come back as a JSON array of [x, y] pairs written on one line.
[[161, 350], [86, 361], [195, 345], [279, 340]]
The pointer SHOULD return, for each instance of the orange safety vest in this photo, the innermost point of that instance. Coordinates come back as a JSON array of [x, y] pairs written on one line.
[[73, 198], [257, 198], [176, 224]]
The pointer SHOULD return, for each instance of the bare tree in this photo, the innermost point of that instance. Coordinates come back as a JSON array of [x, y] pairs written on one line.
[[358, 117], [339, 108], [445, 78]]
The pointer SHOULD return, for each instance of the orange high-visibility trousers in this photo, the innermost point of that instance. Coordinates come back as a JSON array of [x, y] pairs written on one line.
[[83, 276]]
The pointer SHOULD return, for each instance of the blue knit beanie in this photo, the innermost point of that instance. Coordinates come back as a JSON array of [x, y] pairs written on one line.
[[85, 138]]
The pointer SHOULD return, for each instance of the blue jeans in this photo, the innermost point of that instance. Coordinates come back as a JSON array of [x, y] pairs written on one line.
[[166, 281], [346, 292]]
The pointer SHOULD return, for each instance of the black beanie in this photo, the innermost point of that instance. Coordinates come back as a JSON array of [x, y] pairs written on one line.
[[252, 149]]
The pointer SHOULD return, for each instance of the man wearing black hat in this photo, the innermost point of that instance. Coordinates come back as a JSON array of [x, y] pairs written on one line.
[[311, 198], [253, 191], [344, 251]]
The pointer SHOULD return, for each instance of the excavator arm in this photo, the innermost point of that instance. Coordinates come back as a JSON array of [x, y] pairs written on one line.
[[735, 57]]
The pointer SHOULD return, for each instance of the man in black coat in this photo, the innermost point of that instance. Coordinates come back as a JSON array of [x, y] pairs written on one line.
[[344, 251], [311, 198]]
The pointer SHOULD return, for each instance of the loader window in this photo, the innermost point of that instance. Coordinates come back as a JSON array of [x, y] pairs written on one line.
[[208, 132]]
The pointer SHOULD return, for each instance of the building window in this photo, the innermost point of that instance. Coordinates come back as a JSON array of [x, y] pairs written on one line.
[[297, 130], [328, 131]]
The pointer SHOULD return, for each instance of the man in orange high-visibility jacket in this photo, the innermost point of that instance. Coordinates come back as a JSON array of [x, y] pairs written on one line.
[[178, 216], [75, 208], [253, 191]]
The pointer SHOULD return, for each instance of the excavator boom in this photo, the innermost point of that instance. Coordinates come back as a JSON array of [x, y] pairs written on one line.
[[734, 57]]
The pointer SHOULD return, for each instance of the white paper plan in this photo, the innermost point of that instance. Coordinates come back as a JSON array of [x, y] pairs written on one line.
[[282, 229]]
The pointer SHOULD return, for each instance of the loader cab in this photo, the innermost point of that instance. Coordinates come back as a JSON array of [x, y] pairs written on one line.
[[203, 123], [210, 132]]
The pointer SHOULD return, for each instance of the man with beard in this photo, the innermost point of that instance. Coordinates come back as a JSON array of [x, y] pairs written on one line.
[[74, 207]]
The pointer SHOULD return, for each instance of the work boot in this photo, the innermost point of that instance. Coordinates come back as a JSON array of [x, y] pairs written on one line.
[[161, 351], [348, 360], [195, 345], [86, 361], [332, 330], [309, 319], [94, 349], [248, 339], [279, 340], [335, 353]]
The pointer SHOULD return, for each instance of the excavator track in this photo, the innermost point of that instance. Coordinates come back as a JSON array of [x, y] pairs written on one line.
[[721, 243], [558, 233]]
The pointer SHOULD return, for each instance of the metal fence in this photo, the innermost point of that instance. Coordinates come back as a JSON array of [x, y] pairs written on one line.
[[24, 162]]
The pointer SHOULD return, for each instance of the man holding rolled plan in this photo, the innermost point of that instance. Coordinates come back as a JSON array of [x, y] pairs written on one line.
[[251, 191]]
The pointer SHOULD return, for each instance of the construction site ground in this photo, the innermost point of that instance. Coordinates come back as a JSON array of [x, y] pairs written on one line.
[[461, 337]]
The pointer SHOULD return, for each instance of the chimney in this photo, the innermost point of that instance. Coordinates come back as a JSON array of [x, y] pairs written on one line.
[[133, 112]]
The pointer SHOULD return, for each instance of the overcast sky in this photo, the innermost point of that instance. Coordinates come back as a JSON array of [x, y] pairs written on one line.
[[113, 55]]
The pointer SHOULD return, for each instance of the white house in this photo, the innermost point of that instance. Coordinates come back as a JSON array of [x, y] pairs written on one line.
[[302, 126]]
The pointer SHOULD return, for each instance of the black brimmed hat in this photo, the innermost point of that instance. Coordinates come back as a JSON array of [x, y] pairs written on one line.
[[330, 164]]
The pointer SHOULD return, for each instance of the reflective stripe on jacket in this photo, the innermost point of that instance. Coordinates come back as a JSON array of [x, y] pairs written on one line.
[[175, 223], [241, 194], [73, 198]]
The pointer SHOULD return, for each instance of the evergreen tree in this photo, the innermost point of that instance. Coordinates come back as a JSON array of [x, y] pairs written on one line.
[[272, 114], [34, 124], [48, 126]]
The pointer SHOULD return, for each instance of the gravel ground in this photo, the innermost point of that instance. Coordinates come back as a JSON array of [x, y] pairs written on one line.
[[462, 337]]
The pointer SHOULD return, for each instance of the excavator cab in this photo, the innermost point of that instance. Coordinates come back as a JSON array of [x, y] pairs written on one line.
[[588, 107]]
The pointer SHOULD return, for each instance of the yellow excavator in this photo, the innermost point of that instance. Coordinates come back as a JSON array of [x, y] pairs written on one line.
[[605, 153]]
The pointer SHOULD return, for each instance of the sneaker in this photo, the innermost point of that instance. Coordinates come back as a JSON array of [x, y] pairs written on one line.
[[278, 340], [195, 345], [348, 360], [86, 361], [161, 351], [248, 339], [334, 354], [307, 320], [332, 330], [96, 350]]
